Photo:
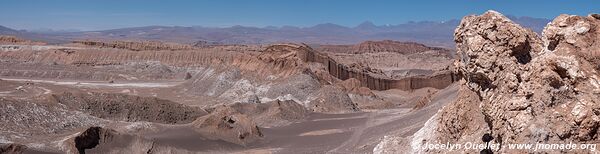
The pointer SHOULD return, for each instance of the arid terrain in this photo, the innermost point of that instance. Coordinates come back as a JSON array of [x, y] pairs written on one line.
[[159, 97], [99, 95]]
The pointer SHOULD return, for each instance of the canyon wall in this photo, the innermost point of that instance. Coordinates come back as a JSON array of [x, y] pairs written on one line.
[[97, 57], [282, 59], [344, 72]]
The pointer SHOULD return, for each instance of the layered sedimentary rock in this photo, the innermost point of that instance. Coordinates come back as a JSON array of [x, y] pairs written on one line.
[[382, 46], [118, 57], [281, 59], [344, 72], [520, 88]]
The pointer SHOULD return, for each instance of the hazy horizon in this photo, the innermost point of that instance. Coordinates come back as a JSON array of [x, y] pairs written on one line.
[[103, 15], [228, 26]]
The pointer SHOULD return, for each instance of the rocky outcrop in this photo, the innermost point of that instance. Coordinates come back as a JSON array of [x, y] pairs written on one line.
[[353, 86], [285, 57], [135, 45], [424, 100], [12, 148], [104, 140], [332, 99], [274, 113], [227, 124], [521, 88], [130, 108], [25, 118], [575, 35]]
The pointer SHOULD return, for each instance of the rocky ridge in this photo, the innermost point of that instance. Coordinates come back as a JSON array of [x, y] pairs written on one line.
[[382, 46], [4, 39]]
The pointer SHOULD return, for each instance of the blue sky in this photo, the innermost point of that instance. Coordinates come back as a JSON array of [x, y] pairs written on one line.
[[107, 14]]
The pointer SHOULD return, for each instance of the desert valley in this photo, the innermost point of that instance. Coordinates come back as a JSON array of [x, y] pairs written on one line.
[[95, 92]]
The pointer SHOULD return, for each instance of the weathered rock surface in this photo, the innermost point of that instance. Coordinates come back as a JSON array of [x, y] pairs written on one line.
[[30, 117], [227, 124], [11, 148], [575, 35], [332, 99], [353, 85], [104, 140], [373, 78], [275, 113], [130, 108], [521, 88]]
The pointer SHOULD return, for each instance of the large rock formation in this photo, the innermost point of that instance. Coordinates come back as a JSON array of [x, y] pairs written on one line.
[[12, 148], [372, 78], [130, 108], [521, 88], [105, 140], [274, 113], [227, 124]]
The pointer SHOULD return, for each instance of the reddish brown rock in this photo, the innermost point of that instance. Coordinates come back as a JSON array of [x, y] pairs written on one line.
[[105, 140], [525, 89], [227, 124], [353, 85], [520, 88], [369, 77], [274, 113]]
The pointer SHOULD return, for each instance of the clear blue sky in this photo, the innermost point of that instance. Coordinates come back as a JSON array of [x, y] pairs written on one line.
[[107, 14]]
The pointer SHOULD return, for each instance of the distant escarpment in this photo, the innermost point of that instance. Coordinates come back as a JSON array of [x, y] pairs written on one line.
[[279, 59], [136, 45], [4, 39], [383, 46], [369, 78]]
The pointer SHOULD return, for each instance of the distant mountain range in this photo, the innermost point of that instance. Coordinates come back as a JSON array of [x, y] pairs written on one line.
[[427, 32]]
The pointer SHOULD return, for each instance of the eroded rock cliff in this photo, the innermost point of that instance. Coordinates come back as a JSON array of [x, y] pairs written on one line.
[[521, 88]]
